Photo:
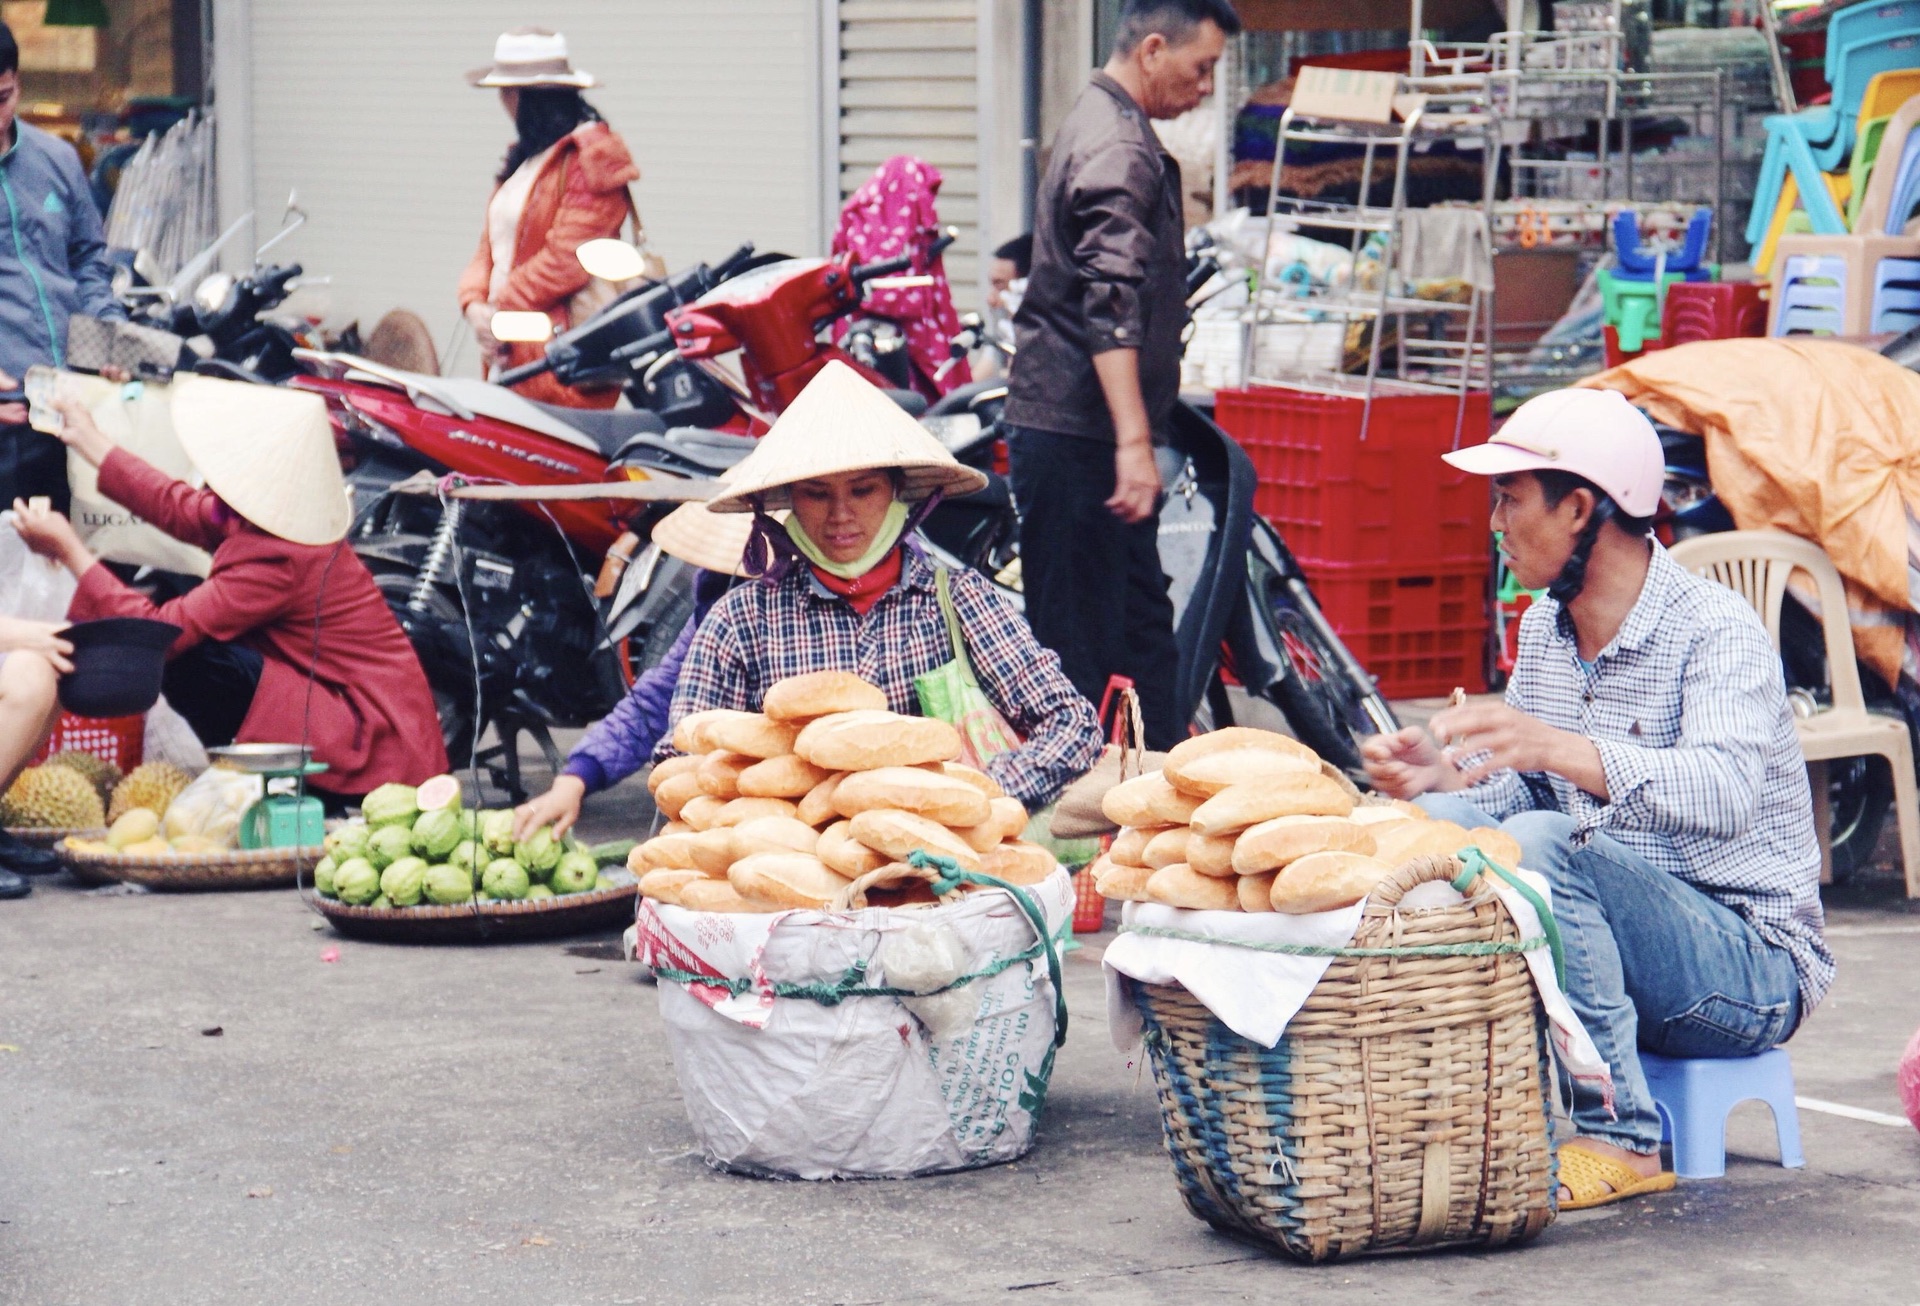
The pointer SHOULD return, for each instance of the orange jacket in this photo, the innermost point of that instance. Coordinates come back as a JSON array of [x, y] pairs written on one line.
[[579, 195]]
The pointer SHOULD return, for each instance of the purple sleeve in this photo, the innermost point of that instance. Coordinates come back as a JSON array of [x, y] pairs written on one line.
[[621, 742]]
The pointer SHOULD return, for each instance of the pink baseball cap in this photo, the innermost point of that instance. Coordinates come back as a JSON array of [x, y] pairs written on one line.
[[1594, 434]]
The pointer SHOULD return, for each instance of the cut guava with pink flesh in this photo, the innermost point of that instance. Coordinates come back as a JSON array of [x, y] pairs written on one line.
[[441, 791]]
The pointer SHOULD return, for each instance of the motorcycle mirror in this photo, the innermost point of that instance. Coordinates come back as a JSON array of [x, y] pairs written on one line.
[[611, 260], [522, 328], [212, 292]]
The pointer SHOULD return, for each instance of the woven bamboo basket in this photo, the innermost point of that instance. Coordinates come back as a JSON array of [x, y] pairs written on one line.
[[40, 836], [1404, 1108], [611, 906], [261, 868]]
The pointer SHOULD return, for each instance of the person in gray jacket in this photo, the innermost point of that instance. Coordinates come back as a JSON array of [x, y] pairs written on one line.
[[1096, 370], [53, 264]]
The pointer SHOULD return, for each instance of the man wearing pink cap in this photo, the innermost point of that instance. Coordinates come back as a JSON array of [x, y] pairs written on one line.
[[1645, 760]]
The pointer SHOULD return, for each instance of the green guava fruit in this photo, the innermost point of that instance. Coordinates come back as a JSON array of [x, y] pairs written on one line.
[[539, 852], [446, 885], [349, 841], [575, 873], [389, 844], [539, 891], [505, 878], [496, 830], [436, 833], [391, 804], [356, 882], [323, 877], [404, 881]]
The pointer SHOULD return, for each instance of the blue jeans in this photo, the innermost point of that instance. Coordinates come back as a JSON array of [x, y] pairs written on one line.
[[1652, 962]]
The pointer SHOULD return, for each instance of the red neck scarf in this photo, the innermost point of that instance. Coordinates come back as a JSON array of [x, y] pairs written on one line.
[[863, 591]]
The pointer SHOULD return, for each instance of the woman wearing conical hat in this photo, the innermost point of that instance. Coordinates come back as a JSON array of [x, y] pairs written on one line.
[[288, 639], [842, 586]]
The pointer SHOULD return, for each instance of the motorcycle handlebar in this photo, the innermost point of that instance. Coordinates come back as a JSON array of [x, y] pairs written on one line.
[[887, 267], [524, 372], [731, 264], [653, 344]]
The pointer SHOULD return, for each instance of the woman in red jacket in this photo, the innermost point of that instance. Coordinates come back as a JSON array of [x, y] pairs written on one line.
[[564, 182], [288, 639]]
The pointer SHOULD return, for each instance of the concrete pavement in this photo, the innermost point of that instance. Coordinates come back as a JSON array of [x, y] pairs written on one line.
[[502, 1125]]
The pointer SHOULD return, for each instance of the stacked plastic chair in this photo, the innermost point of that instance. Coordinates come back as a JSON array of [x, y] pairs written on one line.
[[1873, 66], [1633, 291]]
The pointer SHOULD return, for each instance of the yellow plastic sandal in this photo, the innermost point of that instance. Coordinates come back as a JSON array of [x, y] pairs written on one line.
[[1596, 1180]]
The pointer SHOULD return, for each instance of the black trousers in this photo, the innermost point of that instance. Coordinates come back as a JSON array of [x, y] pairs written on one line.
[[212, 686], [1094, 588], [32, 463]]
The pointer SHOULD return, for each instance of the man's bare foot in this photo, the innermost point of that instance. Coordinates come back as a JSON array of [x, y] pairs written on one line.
[[1646, 1166]]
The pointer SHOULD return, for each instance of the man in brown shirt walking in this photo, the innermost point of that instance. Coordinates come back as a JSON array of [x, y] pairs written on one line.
[[1097, 370]]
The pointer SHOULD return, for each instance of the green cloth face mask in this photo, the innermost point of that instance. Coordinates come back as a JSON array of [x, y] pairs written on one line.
[[889, 535]]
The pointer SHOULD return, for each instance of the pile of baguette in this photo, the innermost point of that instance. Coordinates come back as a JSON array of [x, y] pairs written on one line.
[[785, 807], [1250, 820]]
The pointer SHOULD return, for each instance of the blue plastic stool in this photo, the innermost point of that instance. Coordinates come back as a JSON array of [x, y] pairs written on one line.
[[1696, 1096]]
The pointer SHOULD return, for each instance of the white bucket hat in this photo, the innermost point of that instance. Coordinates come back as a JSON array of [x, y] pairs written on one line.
[[268, 452], [843, 423], [1595, 434], [531, 56]]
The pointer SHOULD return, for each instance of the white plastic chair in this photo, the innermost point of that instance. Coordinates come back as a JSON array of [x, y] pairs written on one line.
[[1756, 565]]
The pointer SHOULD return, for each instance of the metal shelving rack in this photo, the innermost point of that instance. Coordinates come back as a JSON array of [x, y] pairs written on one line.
[[1454, 361]]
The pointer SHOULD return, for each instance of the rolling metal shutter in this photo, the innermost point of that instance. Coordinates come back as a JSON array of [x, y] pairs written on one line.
[[909, 84]]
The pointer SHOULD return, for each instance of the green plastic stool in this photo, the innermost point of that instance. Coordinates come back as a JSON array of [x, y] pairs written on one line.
[[1866, 150], [1632, 308]]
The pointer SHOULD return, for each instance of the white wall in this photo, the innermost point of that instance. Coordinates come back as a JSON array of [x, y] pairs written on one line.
[[362, 106]]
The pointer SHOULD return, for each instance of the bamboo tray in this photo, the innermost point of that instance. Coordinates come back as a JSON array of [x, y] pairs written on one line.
[[262, 868], [611, 906]]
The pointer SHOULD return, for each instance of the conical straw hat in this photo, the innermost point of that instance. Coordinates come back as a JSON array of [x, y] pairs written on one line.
[[841, 423], [268, 451], [709, 540]]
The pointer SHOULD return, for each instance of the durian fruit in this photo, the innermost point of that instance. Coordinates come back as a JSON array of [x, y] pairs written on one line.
[[152, 785], [52, 798], [101, 774]]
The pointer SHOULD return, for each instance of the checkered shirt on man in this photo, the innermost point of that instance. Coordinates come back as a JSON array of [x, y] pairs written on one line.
[[1688, 710], [759, 634]]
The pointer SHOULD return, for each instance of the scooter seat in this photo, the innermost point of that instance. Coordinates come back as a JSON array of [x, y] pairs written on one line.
[[609, 428], [711, 451]]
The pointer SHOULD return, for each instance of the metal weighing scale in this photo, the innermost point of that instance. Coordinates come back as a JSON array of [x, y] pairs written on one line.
[[282, 820]]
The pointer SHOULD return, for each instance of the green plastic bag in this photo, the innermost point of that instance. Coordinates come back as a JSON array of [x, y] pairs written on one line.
[[952, 693]]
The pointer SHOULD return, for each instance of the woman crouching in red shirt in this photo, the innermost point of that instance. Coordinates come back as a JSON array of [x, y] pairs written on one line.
[[288, 639]]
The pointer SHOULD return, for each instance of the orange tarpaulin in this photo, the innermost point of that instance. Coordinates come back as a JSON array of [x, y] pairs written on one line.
[[1815, 438]]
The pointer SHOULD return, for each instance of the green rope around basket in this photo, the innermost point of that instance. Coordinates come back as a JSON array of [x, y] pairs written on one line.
[[1473, 862], [853, 983]]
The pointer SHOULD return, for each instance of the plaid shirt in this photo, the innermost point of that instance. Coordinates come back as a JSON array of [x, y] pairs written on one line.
[[759, 634], [1688, 709]]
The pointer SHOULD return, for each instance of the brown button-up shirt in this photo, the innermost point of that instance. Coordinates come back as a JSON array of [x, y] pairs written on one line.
[[1109, 269]]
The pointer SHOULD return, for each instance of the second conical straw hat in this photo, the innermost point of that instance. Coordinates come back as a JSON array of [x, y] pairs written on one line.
[[711, 540], [842, 423], [269, 452]]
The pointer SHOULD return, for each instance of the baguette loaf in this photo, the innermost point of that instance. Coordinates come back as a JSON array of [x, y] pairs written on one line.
[[712, 851], [668, 852], [1148, 800], [846, 855], [930, 794], [791, 776], [673, 766], [980, 780], [1208, 774], [1179, 886], [786, 880], [868, 740], [821, 693], [675, 790], [716, 895], [1237, 737], [1379, 814], [1167, 847], [751, 733], [664, 884], [908, 890], [1130, 845], [1501, 848], [700, 810], [900, 834], [1006, 818], [687, 736], [770, 834], [720, 773], [1396, 845], [1121, 883], [1326, 882], [738, 811], [1018, 862], [675, 827], [816, 808], [1212, 854], [1270, 845], [1256, 891], [1236, 808]]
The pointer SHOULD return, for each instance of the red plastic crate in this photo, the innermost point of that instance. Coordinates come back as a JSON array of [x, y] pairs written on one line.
[[1340, 500], [1713, 310], [118, 739], [1421, 632]]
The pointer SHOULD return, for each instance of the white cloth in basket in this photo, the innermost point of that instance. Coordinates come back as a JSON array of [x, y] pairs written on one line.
[[1256, 993]]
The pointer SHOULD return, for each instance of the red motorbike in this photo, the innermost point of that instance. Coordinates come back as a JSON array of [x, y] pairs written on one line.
[[543, 603]]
